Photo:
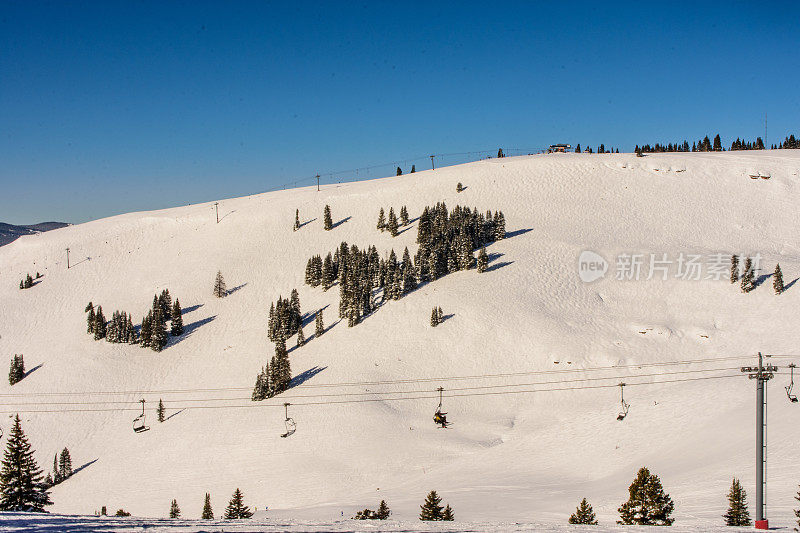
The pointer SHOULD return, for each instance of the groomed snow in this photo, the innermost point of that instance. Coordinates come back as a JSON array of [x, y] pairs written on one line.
[[508, 458]]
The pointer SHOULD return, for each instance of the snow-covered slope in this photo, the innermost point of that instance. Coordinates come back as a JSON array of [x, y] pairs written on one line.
[[510, 455]]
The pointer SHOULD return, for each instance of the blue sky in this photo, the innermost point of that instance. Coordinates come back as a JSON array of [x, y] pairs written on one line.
[[110, 107]]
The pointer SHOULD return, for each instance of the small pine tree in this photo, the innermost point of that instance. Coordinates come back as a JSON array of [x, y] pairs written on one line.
[[459, 187], [326, 218], [56, 470], [301, 338], [439, 315], [777, 280], [383, 509], [21, 482], [748, 277], [413, 169], [381, 220], [236, 508], [434, 318], [584, 514], [320, 327], [648, 504], [734, 268], [17, 371], [737, 514], [219, 286], [404, 216], [208, 513], [160, 411], [174, 510], [447, 515], [392, 224], [158, 334], [483, 260], [64, 464], [176, 328], [431, 510], [399, 171], [296, 219]]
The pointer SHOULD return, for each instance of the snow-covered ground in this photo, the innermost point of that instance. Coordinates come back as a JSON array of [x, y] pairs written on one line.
[[528, 324]]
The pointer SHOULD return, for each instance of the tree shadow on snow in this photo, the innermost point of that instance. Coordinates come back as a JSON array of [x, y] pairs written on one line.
[[310, 317], [786, 287], [85, 465], [189, 329], [238, 287], [341, 222], [447, 317], [191, 308], [404, 229], [32, 370], [761, 279], [307, 222], [498, 266], [301, 378], [514, 233], [176, 413]]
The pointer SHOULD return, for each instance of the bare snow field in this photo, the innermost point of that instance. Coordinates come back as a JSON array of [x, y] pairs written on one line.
[[522, 450]]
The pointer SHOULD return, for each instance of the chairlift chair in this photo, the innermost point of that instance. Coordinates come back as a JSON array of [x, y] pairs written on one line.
[[291, 425], [439, 417], [625, 406], [139, 422], [792, 397]]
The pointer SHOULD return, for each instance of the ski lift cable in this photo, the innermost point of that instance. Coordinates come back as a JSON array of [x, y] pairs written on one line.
[[371, 393], [389, 382], [428, 396]]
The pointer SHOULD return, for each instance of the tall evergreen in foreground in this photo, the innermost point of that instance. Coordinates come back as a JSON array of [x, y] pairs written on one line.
[[21, 482], [326, 218], [584, 514], [236, 508], [737, 514], [777, 280], [219, 286], [174, 510], [208, 513], [648, 504], [432, 509]]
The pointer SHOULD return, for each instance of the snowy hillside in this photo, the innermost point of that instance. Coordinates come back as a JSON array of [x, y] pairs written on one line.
[[527, 324]]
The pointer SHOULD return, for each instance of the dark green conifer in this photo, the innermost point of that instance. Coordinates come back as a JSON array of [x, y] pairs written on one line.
[[174, 510], [326, 217], [381, 220], [383, 509], [734, 268], [584, 514], [160, 411], [296, 219], [447, 514], [648, 504], [777, 280], [483, 260], [236, 508], [319, 326], [737, 514], [432, 509], [22, 485], [208, 513], [176, 327]]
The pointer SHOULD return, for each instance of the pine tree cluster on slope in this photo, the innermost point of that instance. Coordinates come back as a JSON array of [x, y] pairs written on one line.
[[17, 371], [153, 332], [648, 504], [27, 283], [285, 317], [382, 513], [62, 468], [21, 485]]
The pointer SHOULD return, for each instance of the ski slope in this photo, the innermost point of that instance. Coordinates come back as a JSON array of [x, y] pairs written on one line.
[[527, 324]]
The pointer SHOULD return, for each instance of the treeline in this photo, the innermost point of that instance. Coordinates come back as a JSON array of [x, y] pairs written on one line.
[[600, 149], [707, 145]]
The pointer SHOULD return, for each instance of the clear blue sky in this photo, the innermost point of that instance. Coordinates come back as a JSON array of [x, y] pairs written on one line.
[[109, 107]]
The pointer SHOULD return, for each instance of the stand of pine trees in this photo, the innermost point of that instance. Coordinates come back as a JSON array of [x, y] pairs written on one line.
[[648, 504], [382, 513], [432, 509], [584, 514], [153, 331], [17, 370], [236, 508], [27, 283], [737, 514], [62, 468], [22, 487], [285, 317]]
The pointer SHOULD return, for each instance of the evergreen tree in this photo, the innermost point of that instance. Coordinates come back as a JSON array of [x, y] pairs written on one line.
[[236, 508], [21, 482], [99, 324], [90, 318], [208, 513], [219, 286], [147, 330], [165, 301], [320, 327], [737, 514], [413, 169], [439, 315], [777, 280], [447, 515], [399, 171], [797, 512], [734, 268], [717, 144], [404, 216], [48, 480], [748, 277], [381, 220], [500, 227], [28, 281], [160, 411], [459, 187], [584, 514], [301, 338], [296, 219], [383, 509], [431, 510], [483, 260], [158, 334], [434, 318], [648, 504], [392, 225], [17, 371], [64, 464], [327, 220], [174, 510], [261, 390], [578, 148], [176, 327], [56, 470]]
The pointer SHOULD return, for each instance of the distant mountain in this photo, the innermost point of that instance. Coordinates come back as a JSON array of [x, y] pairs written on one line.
[[10, 233]]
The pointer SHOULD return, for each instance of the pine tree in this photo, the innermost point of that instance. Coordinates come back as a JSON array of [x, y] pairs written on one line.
[[296, 219], [320, 327], [500, 227], [584, 514], [326, 217], [176, 327], [99, 324], [439, 315], [158, 334], [174, 510], [483, 260], [734, 268], [392, 224], [90, 318], [236, 508], [404, 216], [434, 318], [717, 144], [17, 371], [160, 410], [399, 171], [383, 511], [459, 187], [147, 330], [21, 482], [737, 514], [56, 470], [777, 280], [413, 169], [301, 338], [219, 286], [381, 220], [208, 513], [64, 464], [447, 515], [431, 510], [647, 504], [261, 390], [797, 512], [748, 277]]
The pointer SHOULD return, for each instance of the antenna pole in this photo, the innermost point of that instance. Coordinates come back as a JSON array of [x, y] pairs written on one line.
[[216, 208], [317, 182], [67, 258], [433, 166]]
